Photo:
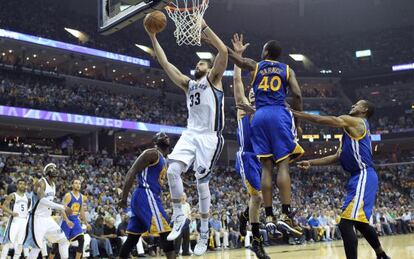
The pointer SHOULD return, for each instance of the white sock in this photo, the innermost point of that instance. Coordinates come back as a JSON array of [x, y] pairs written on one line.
[[204, 225]]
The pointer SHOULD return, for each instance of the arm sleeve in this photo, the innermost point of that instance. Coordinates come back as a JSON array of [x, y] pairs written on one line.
[[51, 204]]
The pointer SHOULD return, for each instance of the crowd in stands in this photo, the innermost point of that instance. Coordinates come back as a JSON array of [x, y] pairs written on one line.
[[50, 93], [316, 194], [334, 52]]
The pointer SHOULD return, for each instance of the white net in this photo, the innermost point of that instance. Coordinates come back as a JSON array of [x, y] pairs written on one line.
[[187, 16]]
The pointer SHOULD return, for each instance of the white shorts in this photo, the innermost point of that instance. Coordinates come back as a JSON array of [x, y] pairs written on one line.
[[202, 149], [18, 230], [47, 228]]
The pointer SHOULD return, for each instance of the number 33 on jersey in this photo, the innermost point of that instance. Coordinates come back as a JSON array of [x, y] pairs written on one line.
[[205, 106]]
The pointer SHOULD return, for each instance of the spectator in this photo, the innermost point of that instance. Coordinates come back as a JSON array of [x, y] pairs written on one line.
[[234, 233], [99, 240]]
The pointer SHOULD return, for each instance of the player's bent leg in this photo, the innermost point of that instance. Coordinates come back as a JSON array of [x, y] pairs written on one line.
[[128, 246], [371, 236], [254, 208], [175, 182], [349, 238], [79, 249], [266, 185], [284, 183], [244, 218], [64, 248], [167, 246]]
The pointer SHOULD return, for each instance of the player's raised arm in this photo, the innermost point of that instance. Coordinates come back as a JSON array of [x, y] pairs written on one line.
[[239, 91], [328, 160], [343, 121], [147, 158], [173, 73], [220, 63], [236, 58], [296, 93]]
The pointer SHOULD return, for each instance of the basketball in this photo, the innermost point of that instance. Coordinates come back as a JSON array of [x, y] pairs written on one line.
[[155, 22]]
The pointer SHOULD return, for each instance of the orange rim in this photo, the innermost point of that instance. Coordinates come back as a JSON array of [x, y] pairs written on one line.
[[172, 8]]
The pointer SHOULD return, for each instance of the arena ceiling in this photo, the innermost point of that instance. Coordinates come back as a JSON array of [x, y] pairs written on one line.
[[296, 17]]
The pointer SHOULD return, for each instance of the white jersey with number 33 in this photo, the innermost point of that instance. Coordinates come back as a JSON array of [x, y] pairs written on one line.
[[205, 105]]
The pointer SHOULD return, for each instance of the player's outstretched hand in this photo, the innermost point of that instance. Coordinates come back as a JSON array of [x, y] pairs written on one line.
[[123, 203], [305, 165], [238, 44], [247, 108]]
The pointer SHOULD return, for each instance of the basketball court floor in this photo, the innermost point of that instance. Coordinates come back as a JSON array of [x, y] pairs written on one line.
[[397, 247]]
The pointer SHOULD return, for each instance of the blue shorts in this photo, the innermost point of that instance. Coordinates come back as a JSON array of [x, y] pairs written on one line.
[[72, 233], [274, 134], [148, 215], [360, 197], [250, 170]]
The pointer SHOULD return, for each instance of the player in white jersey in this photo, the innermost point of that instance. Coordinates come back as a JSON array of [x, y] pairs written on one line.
[[201, 143], [41, 224], [16, 205]]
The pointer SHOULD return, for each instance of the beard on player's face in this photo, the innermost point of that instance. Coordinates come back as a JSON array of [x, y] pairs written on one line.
[[199, 74]]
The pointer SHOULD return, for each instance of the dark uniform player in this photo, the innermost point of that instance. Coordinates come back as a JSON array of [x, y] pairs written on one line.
[[355, 157], [273, 126], [148, 214], [72, 225]]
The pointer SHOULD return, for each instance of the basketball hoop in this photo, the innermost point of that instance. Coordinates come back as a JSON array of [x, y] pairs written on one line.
[[187, 16]]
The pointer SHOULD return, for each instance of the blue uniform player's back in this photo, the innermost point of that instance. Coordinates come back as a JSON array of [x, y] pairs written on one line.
[[273, 127], [148, 215], [270, 83]]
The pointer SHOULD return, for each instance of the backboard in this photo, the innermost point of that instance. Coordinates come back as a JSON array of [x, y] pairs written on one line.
[[114, 15]]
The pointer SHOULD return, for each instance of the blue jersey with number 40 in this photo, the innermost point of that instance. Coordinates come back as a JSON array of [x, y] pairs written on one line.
[[270, 82]]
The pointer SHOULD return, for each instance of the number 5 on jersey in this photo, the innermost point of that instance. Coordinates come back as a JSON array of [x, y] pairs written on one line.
[[274, 85]]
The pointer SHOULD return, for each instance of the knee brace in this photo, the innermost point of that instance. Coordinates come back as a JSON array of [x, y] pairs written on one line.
[[204, 196], [174, 179]]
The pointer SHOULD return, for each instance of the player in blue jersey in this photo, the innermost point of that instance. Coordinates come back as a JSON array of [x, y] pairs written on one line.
[[273, 126], [355, 157], [148, 215], [72, 223], [247, 164]]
